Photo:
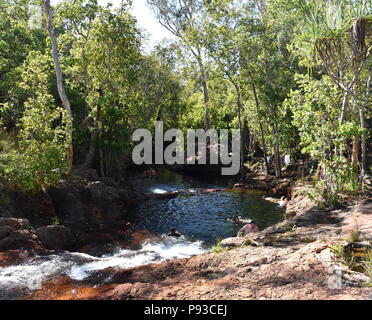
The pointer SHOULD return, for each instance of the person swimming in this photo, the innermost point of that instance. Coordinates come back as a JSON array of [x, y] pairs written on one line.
[[238, 220], [150, 172], [174, 233]]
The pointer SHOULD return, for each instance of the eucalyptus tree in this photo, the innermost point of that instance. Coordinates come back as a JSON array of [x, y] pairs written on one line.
[[224, 47], [60, 85], [268, 72], [184, 19]]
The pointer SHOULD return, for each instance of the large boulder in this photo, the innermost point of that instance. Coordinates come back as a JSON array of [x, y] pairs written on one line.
[[68, 204], [21, 239], [54, 237], [15, 234], [4, 212]]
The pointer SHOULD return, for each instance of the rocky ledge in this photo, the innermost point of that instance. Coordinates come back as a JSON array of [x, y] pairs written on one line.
[[76, 215]]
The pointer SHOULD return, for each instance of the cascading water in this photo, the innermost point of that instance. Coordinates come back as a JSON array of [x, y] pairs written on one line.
[[152, 251], [19, 280]]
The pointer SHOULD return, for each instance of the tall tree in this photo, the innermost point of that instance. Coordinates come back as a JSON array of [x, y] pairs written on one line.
[[60, 85], [184, 19]]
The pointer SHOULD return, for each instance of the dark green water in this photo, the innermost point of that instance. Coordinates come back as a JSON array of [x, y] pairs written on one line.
[[202, 216]]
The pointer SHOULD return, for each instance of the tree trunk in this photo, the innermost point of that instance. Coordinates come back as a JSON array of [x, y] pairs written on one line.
[[278, 171], [207, 119], [239, 103], [93, 140], [61, 90], [261, 129], [363, 126], [355, 152], [247, 138]]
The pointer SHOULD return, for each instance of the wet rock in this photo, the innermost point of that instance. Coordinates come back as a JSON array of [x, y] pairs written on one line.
[[54, 237]]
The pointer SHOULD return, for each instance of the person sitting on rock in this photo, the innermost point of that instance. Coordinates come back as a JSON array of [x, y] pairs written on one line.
[[174, 233], [248, 228]]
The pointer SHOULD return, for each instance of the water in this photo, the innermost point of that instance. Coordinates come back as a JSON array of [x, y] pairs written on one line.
[[200, 218], [20, 280]]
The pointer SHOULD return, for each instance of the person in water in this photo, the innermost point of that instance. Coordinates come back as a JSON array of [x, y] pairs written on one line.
[[248, 228], [150, 172], [238, 220], [174, 233]]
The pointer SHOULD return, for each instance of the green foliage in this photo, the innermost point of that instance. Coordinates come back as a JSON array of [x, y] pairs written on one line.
[[217, 248], [344, 255], [55, 221], [361, 262], [38, 157], [355, 236], [367, 265]]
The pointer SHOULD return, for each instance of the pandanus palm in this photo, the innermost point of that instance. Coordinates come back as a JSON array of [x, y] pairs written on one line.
[[337, 35]]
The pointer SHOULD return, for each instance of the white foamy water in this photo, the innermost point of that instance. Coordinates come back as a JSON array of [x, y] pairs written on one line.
[[29, 276], [151, 252]]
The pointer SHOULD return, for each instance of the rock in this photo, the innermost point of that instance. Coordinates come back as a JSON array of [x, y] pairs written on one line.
[[88, 174], [54, 237], [239, 185], [316, 217], [6, 231], [166, 195], [233, 242], [21, 239], [4, 213], [68, 204], [279, 227], [14, 223], [99, 189]]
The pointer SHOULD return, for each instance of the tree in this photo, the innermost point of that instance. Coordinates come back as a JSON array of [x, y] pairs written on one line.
[[336, 37], [184, 19], [61, 89]]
